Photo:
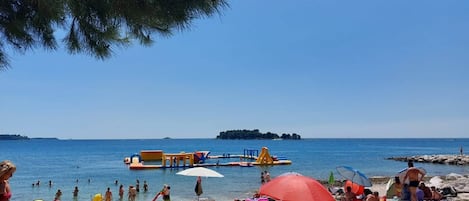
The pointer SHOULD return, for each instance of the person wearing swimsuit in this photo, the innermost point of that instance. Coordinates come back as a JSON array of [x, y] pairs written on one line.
[[165, 192], [397, 187], [7, 168], [413, 174]]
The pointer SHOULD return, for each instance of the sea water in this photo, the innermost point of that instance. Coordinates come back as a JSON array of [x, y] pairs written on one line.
[[94, 165]]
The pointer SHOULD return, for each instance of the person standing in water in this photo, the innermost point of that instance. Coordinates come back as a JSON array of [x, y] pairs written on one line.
[[108, 195], [165, 192], [132, 193], [75, 192], [121, 192]]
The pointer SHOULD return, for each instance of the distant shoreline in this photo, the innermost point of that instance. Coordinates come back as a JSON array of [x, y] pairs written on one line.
[[21, 137]]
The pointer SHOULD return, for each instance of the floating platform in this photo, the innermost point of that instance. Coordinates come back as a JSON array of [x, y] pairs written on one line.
[[182, 160], [140, 166]]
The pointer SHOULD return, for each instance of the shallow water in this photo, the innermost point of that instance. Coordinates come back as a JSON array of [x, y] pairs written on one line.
[[101, 161]]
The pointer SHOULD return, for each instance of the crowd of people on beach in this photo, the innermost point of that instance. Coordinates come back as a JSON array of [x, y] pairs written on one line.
[[414, 190]]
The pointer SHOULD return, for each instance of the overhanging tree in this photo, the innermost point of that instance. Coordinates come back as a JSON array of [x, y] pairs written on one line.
[[94, 27]]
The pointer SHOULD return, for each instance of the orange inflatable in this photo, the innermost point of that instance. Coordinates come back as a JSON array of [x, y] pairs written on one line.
[[357, 189]]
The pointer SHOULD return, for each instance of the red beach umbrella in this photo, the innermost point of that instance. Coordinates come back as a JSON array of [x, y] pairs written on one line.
[[295, 187]]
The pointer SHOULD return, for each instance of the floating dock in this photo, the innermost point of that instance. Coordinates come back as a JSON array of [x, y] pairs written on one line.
[[182, 160]]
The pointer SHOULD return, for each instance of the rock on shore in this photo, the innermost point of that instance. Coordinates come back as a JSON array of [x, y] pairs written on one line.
[[440, 159]]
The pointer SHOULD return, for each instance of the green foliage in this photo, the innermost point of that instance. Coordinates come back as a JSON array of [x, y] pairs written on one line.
[[255, 134], [95, 26]]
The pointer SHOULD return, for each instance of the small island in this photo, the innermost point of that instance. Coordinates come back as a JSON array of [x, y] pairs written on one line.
[[255, 135], [13, 137]]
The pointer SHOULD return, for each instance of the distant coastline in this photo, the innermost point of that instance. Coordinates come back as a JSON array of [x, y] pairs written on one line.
[[21, 137]]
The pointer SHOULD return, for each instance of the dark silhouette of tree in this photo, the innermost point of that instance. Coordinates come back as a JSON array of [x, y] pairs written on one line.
[[293, 136], [94, 27]]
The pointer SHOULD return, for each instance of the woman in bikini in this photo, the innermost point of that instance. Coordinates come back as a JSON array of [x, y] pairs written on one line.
[[7, 168]]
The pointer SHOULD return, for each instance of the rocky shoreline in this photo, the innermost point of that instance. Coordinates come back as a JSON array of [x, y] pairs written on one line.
[[439, 159]]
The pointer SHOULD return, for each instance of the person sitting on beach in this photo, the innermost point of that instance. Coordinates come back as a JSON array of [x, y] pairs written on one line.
[[373, 197], [397, 187], [436, 196], [256, 195], [349, 195], [405, 195], [368, 193], [420, 194], [414, 179], [427, 193]]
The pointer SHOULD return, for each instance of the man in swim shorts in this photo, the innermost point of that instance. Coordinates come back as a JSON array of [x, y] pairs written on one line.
[[413, 174]]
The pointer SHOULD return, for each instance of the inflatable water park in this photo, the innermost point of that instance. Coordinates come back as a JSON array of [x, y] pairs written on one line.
[[156, 159]]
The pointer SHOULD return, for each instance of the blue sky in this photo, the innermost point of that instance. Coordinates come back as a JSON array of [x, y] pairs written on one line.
[[317, 68]]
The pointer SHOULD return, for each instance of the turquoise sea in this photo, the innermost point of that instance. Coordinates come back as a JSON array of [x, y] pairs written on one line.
[[101, 161]]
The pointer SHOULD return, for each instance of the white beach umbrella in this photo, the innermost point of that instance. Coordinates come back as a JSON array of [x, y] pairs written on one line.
[[290, 173], [200, 172]]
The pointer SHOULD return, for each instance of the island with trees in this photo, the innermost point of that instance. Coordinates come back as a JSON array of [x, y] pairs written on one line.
[[13, 137], [255, 135]]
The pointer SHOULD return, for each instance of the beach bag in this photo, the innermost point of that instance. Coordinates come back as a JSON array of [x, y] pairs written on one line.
[[449, 191]]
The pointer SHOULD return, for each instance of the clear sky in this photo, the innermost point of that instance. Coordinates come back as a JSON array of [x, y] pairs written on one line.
[[320, 69]]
